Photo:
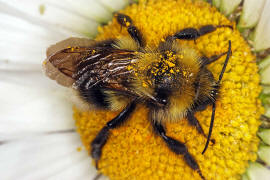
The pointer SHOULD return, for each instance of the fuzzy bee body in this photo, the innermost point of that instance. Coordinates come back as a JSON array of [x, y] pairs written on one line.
[[109, 76], [171, 80]]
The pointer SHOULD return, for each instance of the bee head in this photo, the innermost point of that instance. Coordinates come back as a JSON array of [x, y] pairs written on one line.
[[162, 96], [166, 81]]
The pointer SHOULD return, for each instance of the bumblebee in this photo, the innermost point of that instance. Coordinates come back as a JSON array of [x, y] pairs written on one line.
[[171, 80]]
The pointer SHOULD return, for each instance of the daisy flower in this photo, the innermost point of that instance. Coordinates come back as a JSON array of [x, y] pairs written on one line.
[[38, 138]]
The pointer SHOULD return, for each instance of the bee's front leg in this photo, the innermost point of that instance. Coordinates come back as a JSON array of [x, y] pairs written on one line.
[[193, 121], [208, 60], [134, 32], [102, 137], [178, 148], [193, 34]]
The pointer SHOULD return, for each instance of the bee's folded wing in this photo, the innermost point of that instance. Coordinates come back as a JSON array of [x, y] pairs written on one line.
[[70, 42], [60, 65]]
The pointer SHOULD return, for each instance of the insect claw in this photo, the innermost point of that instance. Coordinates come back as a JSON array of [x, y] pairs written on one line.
[[200, 174], [97, 176], [96, 161]]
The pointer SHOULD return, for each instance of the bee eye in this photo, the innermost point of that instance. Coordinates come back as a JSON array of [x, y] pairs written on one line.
[[162, 96]]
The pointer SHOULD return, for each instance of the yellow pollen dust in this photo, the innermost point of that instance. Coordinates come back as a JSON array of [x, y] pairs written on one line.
[[134, 152]]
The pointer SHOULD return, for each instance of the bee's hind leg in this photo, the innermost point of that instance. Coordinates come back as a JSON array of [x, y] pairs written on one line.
[[178, 148], [102, 137]]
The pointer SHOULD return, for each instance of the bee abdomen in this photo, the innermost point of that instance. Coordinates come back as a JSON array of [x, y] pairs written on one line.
[[95, 96]]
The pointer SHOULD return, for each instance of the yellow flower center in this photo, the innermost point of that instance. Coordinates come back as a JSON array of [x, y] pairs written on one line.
[[134, 152]]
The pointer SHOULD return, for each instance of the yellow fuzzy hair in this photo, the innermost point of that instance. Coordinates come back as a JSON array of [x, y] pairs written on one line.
[[181, 59]]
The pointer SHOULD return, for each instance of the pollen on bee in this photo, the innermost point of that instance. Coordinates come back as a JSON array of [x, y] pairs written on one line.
[[170, 64], [181, 56], [144, 84], [129, 67]]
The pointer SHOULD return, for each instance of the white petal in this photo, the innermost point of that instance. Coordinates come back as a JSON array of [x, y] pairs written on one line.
[[264, 66], [265, 75], [228, 6], [267, 111], [25, 33], [50, 156], [91, 9], [262, 32], [54, 14], [24, 42], [32, 103], [264, 63], [244, 177], [264, 154], [251, 13], [114, 5], [6, 65], [265, 135], [257, 171], [216, 3], [266, 89]]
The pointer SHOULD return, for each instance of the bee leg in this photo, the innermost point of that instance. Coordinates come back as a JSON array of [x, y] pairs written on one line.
[[97, 176], [133, 31], [193, 34], [123, 19], [106, 43], [136, 35], [193, 121], [229, 52], [178, 148], [102, 137], [205, 60]]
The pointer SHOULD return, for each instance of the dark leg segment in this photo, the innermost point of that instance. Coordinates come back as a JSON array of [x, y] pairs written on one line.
[[193, 34], [133, 31], [229, 52], [178, 148], [194, 122], [205, 60], [123, 19], [136, 35], [101, 138]]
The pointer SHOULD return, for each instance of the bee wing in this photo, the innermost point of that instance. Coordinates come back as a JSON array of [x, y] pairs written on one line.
[[60, 65], [106, 68], [70, 42], [88, 63]]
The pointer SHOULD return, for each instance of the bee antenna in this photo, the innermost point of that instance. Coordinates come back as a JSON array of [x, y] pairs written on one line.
[[214, 104], [229, 52]]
